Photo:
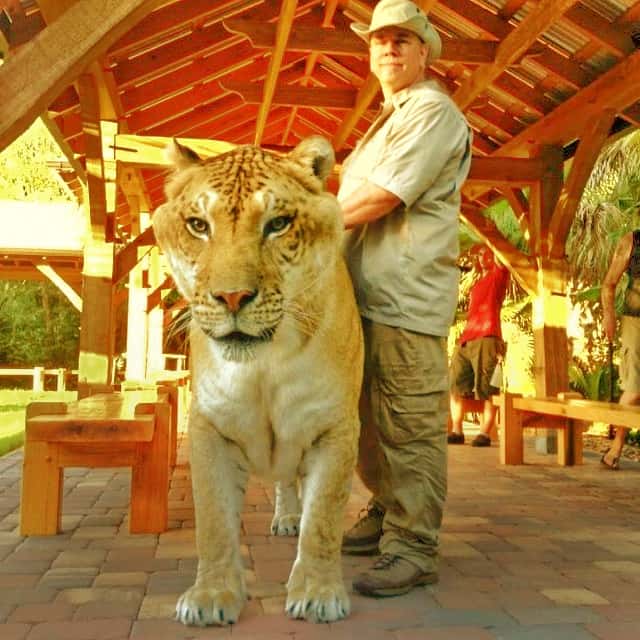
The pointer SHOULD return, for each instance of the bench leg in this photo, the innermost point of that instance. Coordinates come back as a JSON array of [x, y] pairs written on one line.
[[149, 510], [511, 442], [41, 499]]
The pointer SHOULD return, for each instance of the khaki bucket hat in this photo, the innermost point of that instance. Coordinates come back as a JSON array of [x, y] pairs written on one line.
[[405, 15]]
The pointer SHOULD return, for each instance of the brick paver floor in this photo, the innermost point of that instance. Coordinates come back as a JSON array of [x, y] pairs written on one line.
[[535, 552]]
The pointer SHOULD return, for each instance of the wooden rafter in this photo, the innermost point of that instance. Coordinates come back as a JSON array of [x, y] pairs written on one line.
[[521, 266], [251, 92], [344, 42], [367, 92], [128, 257], [287, 14], [512, 48], [86, 30], [588, 151], [616, 89], [514, 171], [148, 151]]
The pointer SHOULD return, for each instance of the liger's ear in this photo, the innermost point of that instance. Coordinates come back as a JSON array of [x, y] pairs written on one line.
[[181, 156], [317, 154]]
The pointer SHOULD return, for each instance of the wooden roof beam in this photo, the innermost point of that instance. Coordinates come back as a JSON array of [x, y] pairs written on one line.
[[617, 89], [285, 22], [339, 41], [509, 171], [367, 92], [42, 68], [595, 27], [148, 151], [511, 49], [591, 143], [173, 18], [521, 266], [129, 256], [251, 92]]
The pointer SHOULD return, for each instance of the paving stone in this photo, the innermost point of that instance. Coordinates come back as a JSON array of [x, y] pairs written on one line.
[[123, 579], [99, 594], [108, 629], [101, 610], [15, 631], [555, 615], [169, 582], [614, 630], [171, 630], [545, 632], [158, 606], [79, 558], [445, 633], [574, 596], [47, 612], [67, 578]]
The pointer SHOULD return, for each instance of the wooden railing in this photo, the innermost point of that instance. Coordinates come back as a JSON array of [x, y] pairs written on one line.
[[37, 374]]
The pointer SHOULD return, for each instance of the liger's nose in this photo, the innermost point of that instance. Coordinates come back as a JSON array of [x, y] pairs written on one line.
[[235, 300]]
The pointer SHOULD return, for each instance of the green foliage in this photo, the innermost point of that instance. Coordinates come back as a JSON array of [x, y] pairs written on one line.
[[38, 325], [24, 174], [598, 383]]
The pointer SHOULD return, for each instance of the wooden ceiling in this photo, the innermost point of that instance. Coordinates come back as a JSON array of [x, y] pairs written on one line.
[[530, 76]]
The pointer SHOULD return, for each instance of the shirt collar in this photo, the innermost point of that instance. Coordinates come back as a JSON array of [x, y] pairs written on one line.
[[399, 98]]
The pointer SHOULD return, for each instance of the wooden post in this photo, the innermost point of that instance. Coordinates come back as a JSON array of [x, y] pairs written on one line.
[[97, 326], [511, 442], [61, 380], [38, 379], [150, 474]]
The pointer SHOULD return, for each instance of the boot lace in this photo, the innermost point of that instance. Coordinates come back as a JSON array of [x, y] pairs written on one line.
[[386, 561], [370, 512]]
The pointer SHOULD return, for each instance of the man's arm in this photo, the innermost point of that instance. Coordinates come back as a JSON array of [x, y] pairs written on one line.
[[366, 204], [618, 266]]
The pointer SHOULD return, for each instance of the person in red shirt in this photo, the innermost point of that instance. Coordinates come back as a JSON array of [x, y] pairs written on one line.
[[479, 349]]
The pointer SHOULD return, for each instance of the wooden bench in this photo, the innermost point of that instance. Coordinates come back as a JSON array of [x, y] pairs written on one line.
[[102, 430], [568, 414]]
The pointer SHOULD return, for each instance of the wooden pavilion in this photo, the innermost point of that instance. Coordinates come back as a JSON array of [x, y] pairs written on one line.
[[540, 82]]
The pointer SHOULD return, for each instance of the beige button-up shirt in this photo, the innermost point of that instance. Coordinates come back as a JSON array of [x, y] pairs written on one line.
[[403, 265]]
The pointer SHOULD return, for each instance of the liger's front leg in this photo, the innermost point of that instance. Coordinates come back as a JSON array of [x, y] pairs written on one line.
[[315, 590], [219, 477]]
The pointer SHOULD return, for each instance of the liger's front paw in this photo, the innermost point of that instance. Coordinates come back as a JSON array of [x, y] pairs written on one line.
[[201, 606], [319, 603], [286, 525]]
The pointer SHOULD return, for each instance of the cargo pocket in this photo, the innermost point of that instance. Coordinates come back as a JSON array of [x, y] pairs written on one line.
[[409, 408]]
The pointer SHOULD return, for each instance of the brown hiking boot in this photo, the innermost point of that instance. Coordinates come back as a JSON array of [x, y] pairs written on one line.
[[391, 576], [362, 539]]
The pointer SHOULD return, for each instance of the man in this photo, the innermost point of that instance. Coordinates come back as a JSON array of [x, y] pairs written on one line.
[[626, 257], [480, 348], [400, 192]]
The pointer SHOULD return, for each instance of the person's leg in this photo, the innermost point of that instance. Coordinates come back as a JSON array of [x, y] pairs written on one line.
[[461, 384], [611, 457], [457, 413], [629, 381], [411, 405], [362, 538], [488, 417], [484, 355]]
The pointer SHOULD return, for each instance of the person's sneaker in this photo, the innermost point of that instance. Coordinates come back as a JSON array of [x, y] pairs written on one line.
[[362, 539], [455, 438], [481, 440], [391, 575]]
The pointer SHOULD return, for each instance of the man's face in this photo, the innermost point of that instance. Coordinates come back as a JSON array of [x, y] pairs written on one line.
[[486, 259], [397, 58]]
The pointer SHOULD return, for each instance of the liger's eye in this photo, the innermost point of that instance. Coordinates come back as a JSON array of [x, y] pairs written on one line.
[[277, 226], [197, 227]]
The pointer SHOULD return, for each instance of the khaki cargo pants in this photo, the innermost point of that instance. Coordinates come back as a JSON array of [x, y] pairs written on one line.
[[403, 451]]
